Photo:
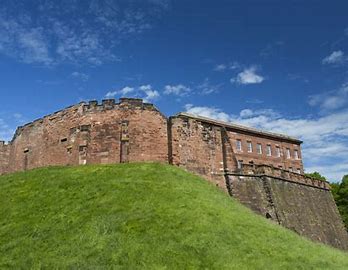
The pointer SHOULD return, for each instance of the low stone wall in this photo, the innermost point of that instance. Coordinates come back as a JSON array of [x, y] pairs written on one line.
[[297, 202]]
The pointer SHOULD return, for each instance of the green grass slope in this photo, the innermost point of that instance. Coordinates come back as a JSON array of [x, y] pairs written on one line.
[[140, 216]]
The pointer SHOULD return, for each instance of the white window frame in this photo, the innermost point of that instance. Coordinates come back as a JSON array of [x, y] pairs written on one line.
[[259, 148], [269, 150], [250, 146], [239, 145], [296, 154], [288, 153], [278, 151]]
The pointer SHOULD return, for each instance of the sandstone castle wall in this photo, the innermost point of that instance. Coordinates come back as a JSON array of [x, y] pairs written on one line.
[[271, 183]]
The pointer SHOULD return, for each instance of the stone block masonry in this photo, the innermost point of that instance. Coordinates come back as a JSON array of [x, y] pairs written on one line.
[[263, 170]]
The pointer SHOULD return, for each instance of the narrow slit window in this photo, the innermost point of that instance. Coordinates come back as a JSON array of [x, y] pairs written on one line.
[[64, 140], [288, 154]]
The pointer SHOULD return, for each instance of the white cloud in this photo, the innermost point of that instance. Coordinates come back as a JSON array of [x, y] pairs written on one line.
[[336, 57], [331, 100], [123, 92], [325, 138], [248, 76], [80, 75], [178, 90], [150, 93], [209, 112], [146, 92]]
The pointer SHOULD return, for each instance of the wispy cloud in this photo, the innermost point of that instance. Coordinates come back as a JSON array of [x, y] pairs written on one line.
[[220, 67], [207, 87], [8, 124], [230, 66], [89, 33], [271, 49], [80, 75], [248, 76], [331, 100], [335, 58], [146, 92], [325, 137], [177, 90], [6, 131], [122, 92]]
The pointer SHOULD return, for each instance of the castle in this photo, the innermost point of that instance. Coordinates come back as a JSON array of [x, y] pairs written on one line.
[[262, 170]]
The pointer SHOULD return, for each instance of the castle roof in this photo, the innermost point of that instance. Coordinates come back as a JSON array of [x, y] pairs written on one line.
[[240, 128]]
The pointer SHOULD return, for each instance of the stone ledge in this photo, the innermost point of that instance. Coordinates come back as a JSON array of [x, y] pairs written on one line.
[[284, 175]]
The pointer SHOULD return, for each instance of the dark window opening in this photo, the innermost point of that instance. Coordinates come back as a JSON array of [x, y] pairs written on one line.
[[26, 150], [85, 127], [64, 140]]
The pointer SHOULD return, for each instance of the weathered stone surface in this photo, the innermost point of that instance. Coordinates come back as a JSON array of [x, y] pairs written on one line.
[[130, 131], [90, 133], [308, 210]]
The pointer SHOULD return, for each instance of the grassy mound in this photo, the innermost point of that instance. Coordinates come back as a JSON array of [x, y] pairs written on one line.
[[140, 216]]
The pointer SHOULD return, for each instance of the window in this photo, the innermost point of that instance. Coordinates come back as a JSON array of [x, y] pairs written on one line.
[[259, 148], [290, 169], [239, 145], [288, 154], [85, 127], [240, 164], [299, 170], [64, 140], [296, 154], [277, 151], [250, 147], [269, 150]]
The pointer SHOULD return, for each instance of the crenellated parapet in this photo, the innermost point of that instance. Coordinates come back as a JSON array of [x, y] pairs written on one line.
[[124, 103], [91, 107], [281, 174]]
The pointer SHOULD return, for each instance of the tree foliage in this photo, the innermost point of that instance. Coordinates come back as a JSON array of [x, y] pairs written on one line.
[[340, 193], [316, 175]]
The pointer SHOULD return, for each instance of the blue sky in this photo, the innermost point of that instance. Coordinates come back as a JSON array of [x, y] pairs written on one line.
[[276, 65]]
